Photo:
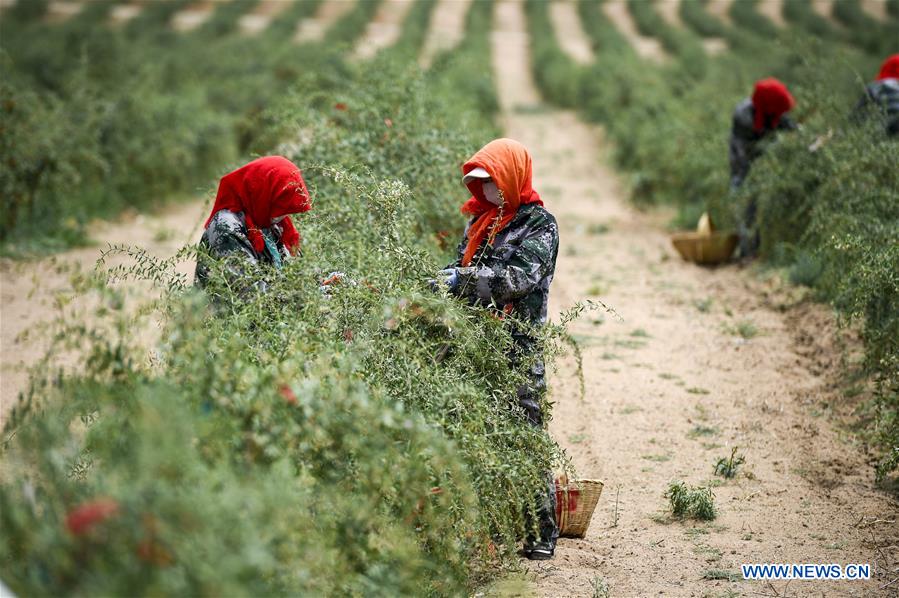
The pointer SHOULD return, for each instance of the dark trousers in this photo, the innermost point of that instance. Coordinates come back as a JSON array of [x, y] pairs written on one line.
[[750, 239], [529, 395]]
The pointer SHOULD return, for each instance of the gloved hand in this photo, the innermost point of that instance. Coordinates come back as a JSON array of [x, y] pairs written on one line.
[[448, 279]]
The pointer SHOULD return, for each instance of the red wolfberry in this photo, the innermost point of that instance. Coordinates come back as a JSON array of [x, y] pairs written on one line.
[[340, 106], [491, 549], [288, 394], [333, 279], [82, 518]]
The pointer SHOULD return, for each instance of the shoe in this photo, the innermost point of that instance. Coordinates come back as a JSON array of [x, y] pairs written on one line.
[[539, 551]]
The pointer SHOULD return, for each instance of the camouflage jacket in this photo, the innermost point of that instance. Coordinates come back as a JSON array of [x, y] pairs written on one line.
[[745, 141], [514, 273], [885, 95], [226, 239]]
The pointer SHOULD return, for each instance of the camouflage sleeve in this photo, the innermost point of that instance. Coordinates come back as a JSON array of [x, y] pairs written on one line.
[[742, 143], [518, 272], [883, 95], [739, 160], [741, 153], [787, 124], [228, 248], [862, 106]]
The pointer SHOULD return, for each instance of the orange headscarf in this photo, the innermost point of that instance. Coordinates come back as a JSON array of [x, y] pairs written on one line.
[[509, 165]]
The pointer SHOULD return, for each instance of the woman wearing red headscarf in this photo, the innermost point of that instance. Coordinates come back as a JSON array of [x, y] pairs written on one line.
[[883, 93], [506, 262], [250, 225], [755, 120]]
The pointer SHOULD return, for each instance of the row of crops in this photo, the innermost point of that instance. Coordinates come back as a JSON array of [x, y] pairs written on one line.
[[361, 441], [98, 118], [828, 196]]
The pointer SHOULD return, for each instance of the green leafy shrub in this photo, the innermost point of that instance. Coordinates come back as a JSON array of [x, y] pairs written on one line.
[[29, 11], [893, 8], [95, 117], [726, 467], [364, 441], [746, 14], [554, 71], [801, 13], [865, 31], [695, 16], [691, 502], [231, 493], [223, 19], [805, 270], [677, 42]]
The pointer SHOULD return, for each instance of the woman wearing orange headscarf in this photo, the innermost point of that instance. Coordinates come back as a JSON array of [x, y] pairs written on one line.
[[250, 225], [755, 120], [506, 262], [883, 93]]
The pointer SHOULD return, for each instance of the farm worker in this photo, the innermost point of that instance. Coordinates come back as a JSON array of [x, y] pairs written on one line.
[[506, 262], [884, 94], [249, 226], [755, 120]]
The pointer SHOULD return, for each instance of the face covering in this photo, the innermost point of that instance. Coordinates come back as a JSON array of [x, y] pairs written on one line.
[[491, 193], [509, 166]]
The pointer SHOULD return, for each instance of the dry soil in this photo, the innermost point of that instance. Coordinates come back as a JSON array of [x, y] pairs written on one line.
[[701, 361]]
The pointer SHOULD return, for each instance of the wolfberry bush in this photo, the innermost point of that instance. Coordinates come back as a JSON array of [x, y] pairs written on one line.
[[359, 440]]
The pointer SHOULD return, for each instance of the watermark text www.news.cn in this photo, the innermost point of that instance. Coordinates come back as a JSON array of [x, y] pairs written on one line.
[[835, 571]]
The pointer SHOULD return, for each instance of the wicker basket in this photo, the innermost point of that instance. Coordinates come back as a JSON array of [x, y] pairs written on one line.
[[575, 502], [705, 248]]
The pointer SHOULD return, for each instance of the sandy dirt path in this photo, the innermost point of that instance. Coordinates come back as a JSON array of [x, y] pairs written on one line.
[[824, 8], [647, 47], [773, 9], [674, 386], [57, 12], [445, 30], [876, 8], [329, 12], [193, 16], [670, 11], [258, 19], [35, 292], [384, 29], [721, 10], [571, 35], [122, 13]]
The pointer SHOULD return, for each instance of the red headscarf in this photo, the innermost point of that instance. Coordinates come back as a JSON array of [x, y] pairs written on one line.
[[509, 165], [265, 189], [771, 100], [890, 68]]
